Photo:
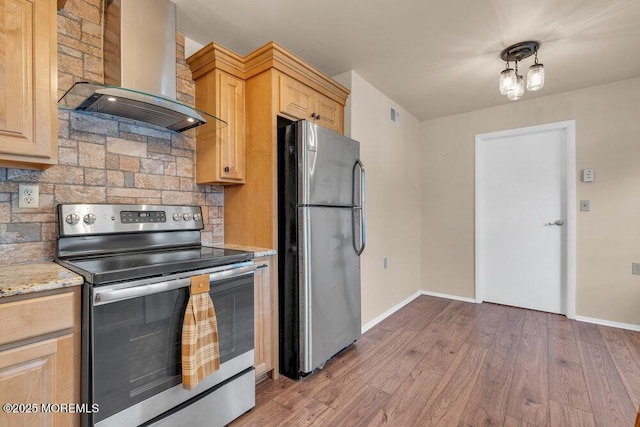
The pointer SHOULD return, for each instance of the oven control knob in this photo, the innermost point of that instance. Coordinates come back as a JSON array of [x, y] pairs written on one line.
[[186, 216], [196, 217], [72, 219], [177, 216], [89, 219]]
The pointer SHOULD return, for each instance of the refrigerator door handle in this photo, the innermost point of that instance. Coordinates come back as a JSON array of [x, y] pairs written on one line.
[[359, 207]]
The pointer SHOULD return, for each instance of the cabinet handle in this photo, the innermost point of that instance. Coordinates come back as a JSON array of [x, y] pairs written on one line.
[[226, 169], [317, 116], [313, 115]]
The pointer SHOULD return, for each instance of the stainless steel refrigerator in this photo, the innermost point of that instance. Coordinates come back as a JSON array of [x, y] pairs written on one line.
[[321, 183]]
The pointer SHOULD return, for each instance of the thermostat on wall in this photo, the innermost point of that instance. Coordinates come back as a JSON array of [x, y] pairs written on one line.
[[588, 175]]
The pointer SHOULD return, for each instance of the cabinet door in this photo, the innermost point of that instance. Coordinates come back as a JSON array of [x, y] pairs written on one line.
[[265, 319], [28, 83], [301, 102], [296, 99], [329, 113], [38, 373], [231, 109]]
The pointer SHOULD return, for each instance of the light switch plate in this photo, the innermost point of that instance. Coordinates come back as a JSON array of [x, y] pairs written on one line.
[[635, 268], [585, 205]]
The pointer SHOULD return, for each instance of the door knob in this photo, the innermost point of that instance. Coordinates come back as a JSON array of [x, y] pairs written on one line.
[[557, 222]]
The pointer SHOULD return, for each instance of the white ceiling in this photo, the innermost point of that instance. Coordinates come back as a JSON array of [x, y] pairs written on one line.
[[433, 57]]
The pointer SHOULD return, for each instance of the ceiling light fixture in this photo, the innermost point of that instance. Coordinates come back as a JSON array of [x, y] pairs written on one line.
[[511, 83]]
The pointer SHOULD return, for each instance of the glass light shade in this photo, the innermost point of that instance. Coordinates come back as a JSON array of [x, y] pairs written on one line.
[[518, 91], [535, 77], [507, 80]]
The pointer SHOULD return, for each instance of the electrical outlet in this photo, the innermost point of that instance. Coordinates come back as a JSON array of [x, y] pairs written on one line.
[[28, 196], [635, 268]]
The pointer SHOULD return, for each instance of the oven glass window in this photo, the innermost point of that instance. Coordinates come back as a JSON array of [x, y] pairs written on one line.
[[137, 342]]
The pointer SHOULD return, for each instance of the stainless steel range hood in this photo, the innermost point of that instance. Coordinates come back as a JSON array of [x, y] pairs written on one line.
[[131, 104], [139, 49]]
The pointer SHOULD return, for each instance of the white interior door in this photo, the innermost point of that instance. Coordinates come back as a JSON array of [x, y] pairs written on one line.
[[522, 217]]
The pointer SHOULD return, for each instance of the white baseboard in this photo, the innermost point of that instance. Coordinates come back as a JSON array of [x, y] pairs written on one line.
[[401, 304], [447, 296], [389, 312], [380, 318], [603, 322]]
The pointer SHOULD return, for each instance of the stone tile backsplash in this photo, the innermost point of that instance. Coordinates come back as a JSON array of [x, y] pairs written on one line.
[[102, 159]]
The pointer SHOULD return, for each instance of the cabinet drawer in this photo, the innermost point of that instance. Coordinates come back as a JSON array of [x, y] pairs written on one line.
[[38, 316]]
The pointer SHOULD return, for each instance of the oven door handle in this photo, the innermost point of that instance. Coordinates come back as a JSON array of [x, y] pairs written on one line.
[[106, 295], [235, 272]]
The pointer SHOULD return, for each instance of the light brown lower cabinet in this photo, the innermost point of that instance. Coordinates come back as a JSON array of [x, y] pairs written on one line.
[[266, 318], [39, 360]]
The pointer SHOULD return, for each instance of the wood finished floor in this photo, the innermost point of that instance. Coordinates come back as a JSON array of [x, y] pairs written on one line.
[[438, 362]]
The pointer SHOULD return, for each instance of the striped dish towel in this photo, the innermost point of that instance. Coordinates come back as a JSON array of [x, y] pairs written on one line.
[[200, 352]]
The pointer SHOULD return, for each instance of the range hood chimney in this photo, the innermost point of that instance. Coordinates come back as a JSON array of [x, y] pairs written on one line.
[[140, 45], [139, 68]]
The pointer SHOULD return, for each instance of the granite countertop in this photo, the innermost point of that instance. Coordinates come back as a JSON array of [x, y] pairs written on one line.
[[43, 276], [257, 252]]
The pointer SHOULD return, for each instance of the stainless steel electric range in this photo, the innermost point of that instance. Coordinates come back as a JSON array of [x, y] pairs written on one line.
[[137, 261]]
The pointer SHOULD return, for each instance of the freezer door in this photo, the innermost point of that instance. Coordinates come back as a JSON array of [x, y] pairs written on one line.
[[329, 282], [325, 166]]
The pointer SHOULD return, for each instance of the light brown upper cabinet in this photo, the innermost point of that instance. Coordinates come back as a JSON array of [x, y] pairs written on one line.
[[231, 105], [220, 153], [28, 84], [250, 93], [278, 84], [222, 79], [299, 101]]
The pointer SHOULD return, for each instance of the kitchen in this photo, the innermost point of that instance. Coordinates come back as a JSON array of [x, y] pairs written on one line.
[[103, 159]]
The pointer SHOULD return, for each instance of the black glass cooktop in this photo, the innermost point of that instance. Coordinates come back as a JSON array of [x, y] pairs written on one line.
[[139, 265]]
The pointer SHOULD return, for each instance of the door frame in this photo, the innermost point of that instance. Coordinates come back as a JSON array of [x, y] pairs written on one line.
[[569, 249]]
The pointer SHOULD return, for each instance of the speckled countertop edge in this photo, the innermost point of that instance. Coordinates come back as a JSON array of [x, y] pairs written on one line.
[[21, 279], [257, 252]]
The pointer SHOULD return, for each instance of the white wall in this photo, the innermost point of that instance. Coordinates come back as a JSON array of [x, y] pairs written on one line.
[[608, 238], [392, 163], [191, 47]]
